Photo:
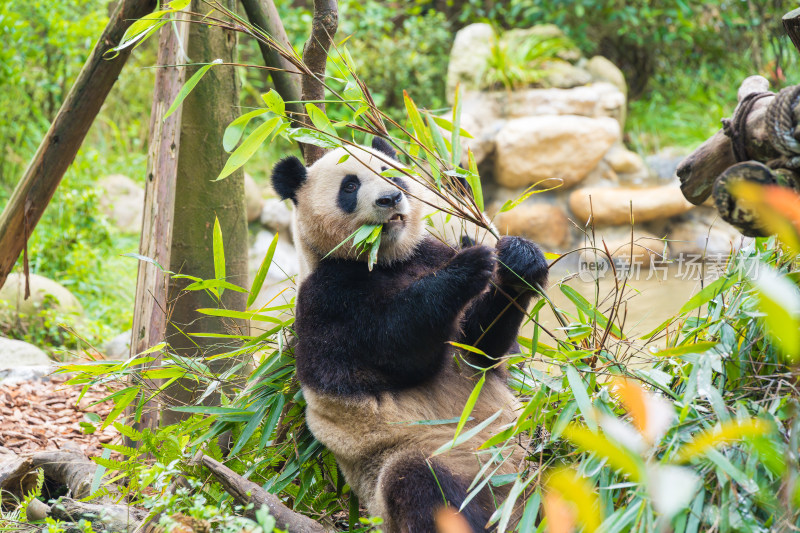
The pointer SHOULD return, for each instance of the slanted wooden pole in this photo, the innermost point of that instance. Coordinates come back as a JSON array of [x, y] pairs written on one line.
[[264, 15], [791, 23], [62, 141], [150, 308]]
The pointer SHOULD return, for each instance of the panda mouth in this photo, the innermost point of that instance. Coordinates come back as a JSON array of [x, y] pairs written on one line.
[[396, 220]]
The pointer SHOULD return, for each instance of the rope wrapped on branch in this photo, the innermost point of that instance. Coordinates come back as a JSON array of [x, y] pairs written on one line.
[[760, 143]]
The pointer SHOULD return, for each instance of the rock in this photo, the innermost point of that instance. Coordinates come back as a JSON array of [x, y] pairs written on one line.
[[601, 69], [567, 147], [122, 201], [276, 216], [11, 376], [252, 194], [469, 56], [700, 232], [45, 294], [664, 164], [119, 347], [563, 75], [285, 261], [612, 205], [597, 100], [542, 223], [14, 353], [623, 161]]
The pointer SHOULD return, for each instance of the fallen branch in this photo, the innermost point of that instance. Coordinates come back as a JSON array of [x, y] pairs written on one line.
[[70, 468], [16, 475], [246, 492], [103, 517]]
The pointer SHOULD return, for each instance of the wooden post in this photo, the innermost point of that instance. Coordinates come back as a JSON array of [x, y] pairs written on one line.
[[791, 23], [150, 308], [62, 141], [263, 14]]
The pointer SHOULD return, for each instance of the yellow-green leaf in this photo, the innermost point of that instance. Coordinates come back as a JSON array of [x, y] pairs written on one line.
[[258, 282], [245, 151], [189, 85], [724, 433]]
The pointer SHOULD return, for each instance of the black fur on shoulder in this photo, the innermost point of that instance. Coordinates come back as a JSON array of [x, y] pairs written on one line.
[[384, 147], [419, 487], [287, 176]]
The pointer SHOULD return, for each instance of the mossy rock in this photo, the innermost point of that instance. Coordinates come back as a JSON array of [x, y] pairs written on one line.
[[46, 296]]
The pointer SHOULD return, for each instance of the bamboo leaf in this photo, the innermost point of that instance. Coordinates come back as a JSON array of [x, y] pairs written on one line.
[[245, 151], [219, 253], [261, 275], [189, 85], [274, 102], [470, 405], [474, 180], [581, 397], [320, 120], [309, 136], [725, 433], [617, 456], [455, 139], [464, 437], [233, 133]]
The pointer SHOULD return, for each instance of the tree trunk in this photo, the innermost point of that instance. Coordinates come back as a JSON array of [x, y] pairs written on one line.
[[207, 111], [64, 138], [150, 308], [264, 14]]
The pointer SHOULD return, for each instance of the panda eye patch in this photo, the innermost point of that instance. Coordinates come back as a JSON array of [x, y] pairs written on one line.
[[347, 199]]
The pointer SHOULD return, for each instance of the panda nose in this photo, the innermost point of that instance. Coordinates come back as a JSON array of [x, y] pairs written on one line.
[[389, 200]]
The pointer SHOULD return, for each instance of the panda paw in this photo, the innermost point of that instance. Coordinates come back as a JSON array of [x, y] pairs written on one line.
[[472, 269], [520, 258]]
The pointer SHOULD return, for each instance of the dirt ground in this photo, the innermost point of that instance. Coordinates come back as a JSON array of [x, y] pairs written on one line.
[[45, 414]]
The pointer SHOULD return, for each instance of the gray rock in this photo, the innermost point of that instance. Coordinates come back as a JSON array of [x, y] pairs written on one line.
[[119, 347], [469, 56], [276, 216], [564, 75], [14, 354], [664, 163], [10, 376], [122, 201]]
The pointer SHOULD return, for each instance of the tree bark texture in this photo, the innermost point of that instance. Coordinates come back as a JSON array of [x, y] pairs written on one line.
[[791, 23], [62, 141], [315, 56], [264, 14], [207, 111], [150, 308]]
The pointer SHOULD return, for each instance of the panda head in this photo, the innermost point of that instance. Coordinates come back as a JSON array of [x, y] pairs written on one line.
[[333, 198]]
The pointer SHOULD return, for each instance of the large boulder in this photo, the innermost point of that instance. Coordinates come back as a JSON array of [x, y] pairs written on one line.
[[45, 294], [601, 69], [469, 56], [610, 206], [551, 147], [544, 224], [119, 347], [14, 353], [252, 195], [596, 100], [122, 201], [564, 75]]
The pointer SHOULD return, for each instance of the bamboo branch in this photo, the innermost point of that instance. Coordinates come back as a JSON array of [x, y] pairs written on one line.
[[315, 56], [246, 492], [65, 136]]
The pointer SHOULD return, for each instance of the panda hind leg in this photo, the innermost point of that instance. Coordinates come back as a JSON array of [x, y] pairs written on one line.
[[415, 489]]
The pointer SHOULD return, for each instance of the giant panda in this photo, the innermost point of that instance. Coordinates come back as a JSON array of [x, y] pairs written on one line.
[[373, 356]]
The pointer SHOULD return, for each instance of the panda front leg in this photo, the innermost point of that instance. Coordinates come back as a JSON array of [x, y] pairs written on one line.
[[418, 320], [492, 322], [413, 489]]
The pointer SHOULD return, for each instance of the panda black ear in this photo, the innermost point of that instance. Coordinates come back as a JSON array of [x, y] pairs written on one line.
[[383, 147], [287, 176]]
